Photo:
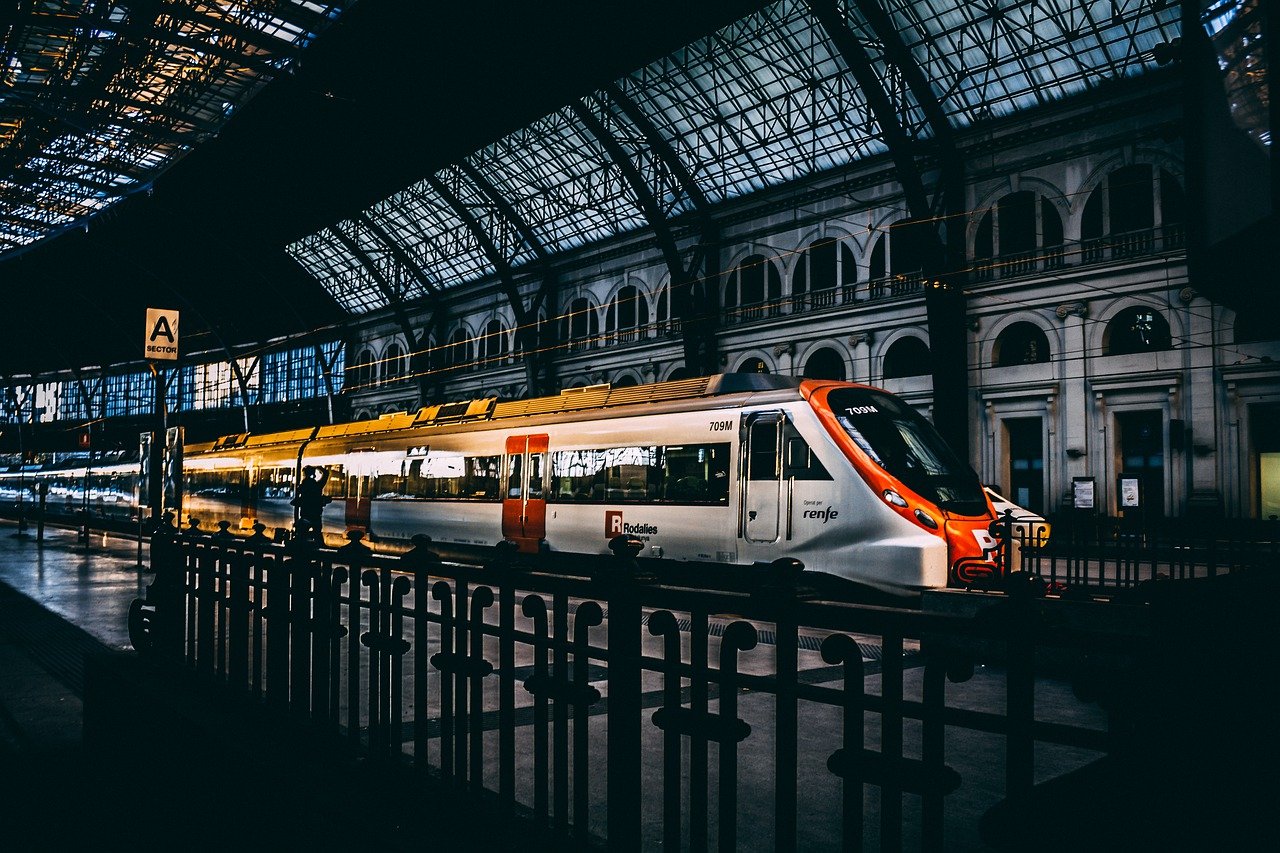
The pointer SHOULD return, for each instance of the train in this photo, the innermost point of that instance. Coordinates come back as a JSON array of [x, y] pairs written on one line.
[[732, 469]]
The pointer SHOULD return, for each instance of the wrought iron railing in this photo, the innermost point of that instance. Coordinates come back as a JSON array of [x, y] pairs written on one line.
[[1102, 554], [491, 676]]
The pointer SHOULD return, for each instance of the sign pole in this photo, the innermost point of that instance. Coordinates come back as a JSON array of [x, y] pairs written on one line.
[[160, 344]]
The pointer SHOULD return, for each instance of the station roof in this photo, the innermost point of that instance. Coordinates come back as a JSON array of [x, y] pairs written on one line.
[[759, 102], [342, 158], [98, 97]]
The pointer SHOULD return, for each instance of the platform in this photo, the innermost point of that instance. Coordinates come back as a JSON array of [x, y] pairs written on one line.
[[62, 602]]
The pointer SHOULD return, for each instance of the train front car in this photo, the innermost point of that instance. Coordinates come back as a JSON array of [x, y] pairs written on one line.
[[936, 497]]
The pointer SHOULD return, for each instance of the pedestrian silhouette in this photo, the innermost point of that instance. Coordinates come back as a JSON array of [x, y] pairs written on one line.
[[311, 499]]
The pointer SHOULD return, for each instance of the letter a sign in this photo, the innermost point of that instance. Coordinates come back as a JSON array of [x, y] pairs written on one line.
[[162, 334]]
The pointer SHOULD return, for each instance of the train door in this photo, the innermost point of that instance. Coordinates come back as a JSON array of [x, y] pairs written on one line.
[[359, 506], [524, 502], [762, 485]]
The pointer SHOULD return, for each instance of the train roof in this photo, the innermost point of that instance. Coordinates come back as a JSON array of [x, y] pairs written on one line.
[[492, 408]]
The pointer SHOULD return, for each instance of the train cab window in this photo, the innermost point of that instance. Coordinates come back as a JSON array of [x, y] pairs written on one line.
[[900, 440]]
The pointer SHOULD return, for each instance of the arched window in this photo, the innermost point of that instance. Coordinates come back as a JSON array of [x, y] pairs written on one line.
[[907, 357], [1137, 329], [1021, 234], [679, 373], [580, 326], [752, 365], [458, 352], [627, 316], [626, 380], [1021, 343], [393, 363], [824, 363], [493, 344], [825, 274], [1136, 210], [363, 371], [753, 290], [898, 256]]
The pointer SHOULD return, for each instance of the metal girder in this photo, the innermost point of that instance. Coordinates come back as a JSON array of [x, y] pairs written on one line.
[[945, 307], [661, 147], [393, 301], [698, 328], [855, 56], [896, 51], [506, 209], [526, 322], [526, 332], [397, 251], [148, 78], [699, 340], [419, 361]]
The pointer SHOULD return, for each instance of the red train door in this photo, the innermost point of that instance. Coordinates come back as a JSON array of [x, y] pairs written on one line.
[[524, 503]]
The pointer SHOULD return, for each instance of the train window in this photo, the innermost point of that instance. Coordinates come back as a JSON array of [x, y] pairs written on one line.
[[336, 485], [275, 483], [482, 481], [763, 462], [634, 474], [445, 476], [801, 464], [514, 473], [537, 464], [900, 440], [696, 473], [577, 475]]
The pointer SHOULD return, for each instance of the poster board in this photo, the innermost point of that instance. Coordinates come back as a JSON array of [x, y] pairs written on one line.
[[1083, 493]]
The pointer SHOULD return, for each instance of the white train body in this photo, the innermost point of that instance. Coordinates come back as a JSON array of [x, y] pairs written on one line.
[[735, 469]]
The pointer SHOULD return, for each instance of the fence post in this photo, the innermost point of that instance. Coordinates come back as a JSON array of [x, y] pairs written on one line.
[[781, 588], [421, 561], [624, 749], [1022, 632], [501, 567], [160, 630], [301, 572]]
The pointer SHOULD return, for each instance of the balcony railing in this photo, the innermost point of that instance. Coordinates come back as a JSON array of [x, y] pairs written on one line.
[[1113, 247]]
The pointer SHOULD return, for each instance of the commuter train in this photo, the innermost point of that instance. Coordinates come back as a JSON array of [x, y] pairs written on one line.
[[733, 469]]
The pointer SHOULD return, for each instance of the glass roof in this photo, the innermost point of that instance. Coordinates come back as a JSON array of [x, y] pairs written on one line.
[[765, 100], [97, 97]]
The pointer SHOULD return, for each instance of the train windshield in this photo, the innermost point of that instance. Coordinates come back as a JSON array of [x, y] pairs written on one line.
[[901, 441]]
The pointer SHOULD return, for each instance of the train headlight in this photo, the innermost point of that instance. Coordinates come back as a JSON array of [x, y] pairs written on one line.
[[926, 519], [892, 497]]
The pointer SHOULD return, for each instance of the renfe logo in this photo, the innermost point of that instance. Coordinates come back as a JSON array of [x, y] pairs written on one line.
[[824, 514], [614, 526]]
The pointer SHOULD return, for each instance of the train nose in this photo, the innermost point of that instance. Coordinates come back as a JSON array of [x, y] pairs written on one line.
[[972, 550]]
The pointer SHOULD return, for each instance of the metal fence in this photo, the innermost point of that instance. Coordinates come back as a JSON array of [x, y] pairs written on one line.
[[609, 707], [1094, 554]]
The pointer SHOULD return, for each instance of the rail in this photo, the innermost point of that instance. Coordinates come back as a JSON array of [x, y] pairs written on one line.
[[491, 676], [1092, 554]]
